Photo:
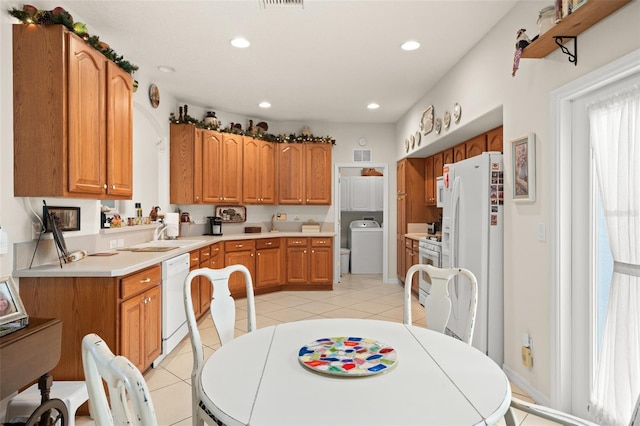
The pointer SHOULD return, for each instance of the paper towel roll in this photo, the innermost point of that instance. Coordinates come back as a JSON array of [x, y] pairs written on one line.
[[171, 218], [171, 221]]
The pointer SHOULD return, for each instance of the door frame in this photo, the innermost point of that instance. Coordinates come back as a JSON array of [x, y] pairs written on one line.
[[385, 213], [561, 122]]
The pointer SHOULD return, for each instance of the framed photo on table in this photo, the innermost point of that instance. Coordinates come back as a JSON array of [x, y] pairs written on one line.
[[523, 168], [13, 316]]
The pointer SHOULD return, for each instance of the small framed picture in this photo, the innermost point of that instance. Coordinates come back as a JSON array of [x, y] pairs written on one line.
[[232, 214], [12, 313], [66, 218], [523, 165]]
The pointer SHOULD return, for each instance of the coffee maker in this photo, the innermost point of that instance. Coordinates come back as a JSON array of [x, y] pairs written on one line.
[[214, 225]]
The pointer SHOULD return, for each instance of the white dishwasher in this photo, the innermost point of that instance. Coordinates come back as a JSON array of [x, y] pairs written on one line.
[[174, 319]]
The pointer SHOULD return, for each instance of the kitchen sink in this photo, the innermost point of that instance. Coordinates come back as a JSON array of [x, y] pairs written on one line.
[[162, 245]]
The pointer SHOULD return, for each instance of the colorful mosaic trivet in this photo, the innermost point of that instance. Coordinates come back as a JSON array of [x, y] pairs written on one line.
[[347, 356]]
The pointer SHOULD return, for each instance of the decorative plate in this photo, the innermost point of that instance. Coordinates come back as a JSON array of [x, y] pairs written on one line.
[[413, 141], [438, 125], [406, 145], [426, 123], [418, 138], [154, 96], [457, 112], [446, 120], [347, 356]]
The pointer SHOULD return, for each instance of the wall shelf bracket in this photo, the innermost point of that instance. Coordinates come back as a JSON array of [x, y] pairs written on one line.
[[573, 57]]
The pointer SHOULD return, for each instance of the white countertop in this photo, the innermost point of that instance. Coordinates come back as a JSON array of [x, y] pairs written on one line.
[[126, 262]]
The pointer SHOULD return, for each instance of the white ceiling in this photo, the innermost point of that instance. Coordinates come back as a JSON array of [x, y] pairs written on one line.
[[322, 62]]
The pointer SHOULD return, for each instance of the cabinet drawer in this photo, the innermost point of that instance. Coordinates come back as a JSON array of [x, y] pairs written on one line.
[[408, 243], [265, 243], [243, 245], [320, 242], [415, 245], [215, 249], [292, 242], [205, 254], [140, 281], [194, 259]]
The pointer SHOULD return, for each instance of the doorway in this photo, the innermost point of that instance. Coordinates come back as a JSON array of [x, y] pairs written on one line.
[[354, 169]]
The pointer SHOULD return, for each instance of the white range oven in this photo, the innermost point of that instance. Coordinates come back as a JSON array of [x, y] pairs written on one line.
[[430, 254]]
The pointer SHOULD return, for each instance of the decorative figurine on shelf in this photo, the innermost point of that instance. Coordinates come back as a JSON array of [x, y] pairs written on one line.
[[154, 213], [211, 119], [180, 111], [522, 41]]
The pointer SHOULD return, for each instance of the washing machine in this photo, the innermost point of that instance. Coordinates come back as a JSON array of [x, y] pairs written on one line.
[[365, 243]]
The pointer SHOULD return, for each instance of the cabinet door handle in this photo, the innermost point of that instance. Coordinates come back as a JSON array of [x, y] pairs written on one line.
[[105, 186], [238, 245], [251, 254], [258, 254], [313, 251], [146, 280], [305, 251], [268, 244]]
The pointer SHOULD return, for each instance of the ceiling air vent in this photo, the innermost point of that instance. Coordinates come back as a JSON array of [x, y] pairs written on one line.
[[361, 155], [275, 3]]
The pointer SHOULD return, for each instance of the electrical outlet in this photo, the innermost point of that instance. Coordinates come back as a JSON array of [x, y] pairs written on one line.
[[527, 358], [281, 216], [113, 244], [296, 218], [36, 229], [121, 242]]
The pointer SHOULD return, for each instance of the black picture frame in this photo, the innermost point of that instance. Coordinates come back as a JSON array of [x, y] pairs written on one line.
[[66, 218]]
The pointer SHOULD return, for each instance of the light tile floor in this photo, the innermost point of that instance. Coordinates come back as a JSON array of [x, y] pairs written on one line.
[[359, 296]]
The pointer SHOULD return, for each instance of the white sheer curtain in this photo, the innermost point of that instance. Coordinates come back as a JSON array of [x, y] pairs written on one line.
[[615, 141]]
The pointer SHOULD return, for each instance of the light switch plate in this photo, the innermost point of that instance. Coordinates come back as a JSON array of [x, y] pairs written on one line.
[[542, 232]]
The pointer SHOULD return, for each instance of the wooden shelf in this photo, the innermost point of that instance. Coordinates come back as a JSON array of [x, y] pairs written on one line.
[[587, 15]]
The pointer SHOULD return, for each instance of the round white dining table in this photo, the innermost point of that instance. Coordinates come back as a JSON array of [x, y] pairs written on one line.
[[257, 380]]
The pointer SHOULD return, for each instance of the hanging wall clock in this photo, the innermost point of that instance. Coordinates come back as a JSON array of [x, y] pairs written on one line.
[[154, 96]]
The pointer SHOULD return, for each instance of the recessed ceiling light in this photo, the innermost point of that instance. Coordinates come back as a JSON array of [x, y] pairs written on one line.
[[410, 45], [165, 68], [264, 104], [240, 42], [373, 105]]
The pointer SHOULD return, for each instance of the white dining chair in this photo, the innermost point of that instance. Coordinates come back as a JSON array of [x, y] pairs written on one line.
[[437, 306], [123, 380], [223, 314]]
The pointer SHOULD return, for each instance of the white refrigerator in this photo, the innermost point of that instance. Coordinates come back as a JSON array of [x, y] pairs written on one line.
[[472, 238]]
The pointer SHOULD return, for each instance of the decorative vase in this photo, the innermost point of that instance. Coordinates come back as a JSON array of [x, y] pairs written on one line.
[[211, 119]]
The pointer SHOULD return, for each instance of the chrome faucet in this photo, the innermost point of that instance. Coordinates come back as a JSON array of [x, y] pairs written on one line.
[[157, 234]]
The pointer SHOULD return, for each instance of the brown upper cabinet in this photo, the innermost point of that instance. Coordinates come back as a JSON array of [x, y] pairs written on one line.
[[304, 173], [259, 172], [77, 111], [476, 146], [205, 166], [495, 140]]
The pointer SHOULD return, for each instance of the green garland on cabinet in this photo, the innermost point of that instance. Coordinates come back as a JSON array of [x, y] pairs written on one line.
[[32, 15], [258, 133]]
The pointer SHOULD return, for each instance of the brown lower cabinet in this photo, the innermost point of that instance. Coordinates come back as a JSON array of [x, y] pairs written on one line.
[[240, 252], [269, 263], [126, 312], [309, 262]]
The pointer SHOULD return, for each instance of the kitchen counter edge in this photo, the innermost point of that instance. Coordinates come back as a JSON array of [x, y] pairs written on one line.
[[126, 262]]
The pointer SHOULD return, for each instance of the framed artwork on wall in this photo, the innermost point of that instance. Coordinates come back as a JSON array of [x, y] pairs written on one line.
[[12, 313], [523, 168]]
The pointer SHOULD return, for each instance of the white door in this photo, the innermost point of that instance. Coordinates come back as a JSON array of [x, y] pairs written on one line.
[[585, 251]]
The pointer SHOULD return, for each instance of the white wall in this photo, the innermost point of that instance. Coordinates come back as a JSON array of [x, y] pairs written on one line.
[[482, 84]]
